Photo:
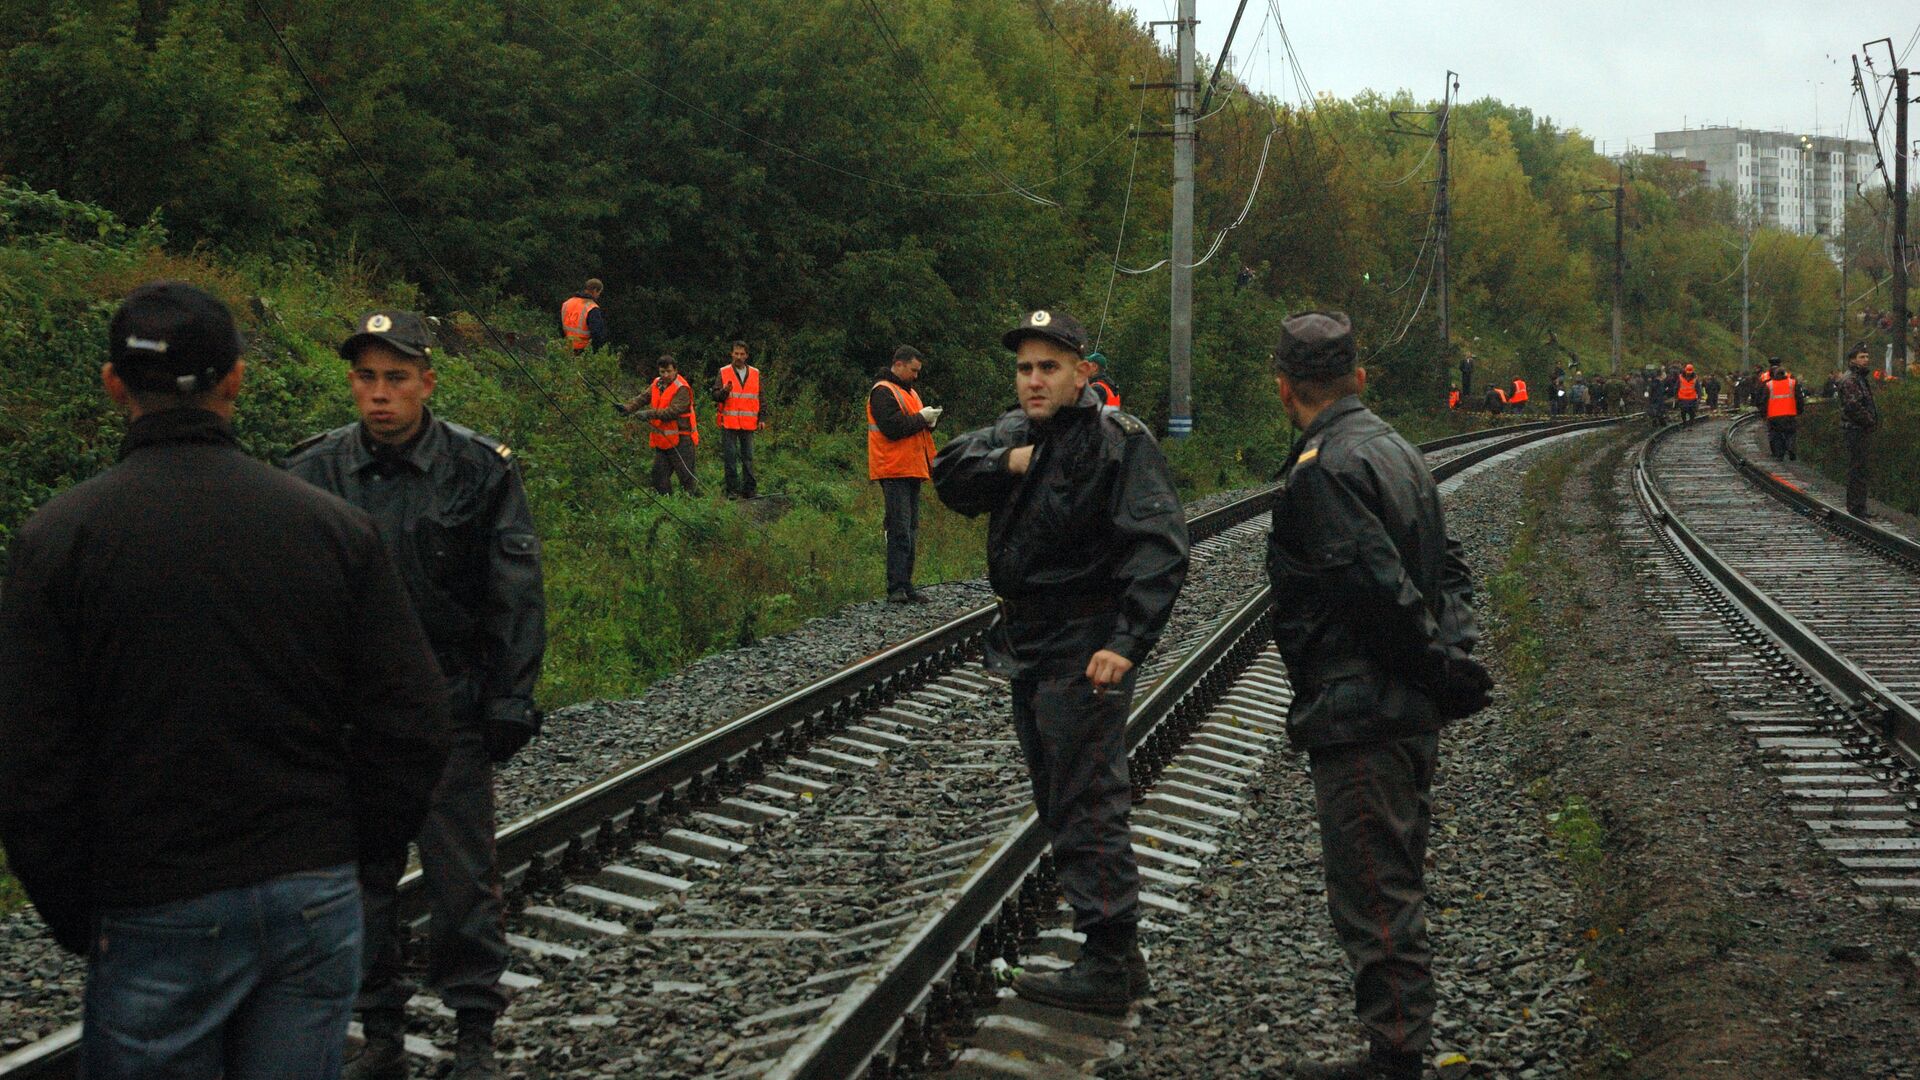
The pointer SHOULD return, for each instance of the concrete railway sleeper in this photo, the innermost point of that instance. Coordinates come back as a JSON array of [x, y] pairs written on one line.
[[619, 860], [1821, 680]]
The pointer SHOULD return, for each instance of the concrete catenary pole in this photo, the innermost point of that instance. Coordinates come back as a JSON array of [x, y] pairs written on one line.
[[1180, 338], [1900, 152], [1619, 260], [1442, 225]]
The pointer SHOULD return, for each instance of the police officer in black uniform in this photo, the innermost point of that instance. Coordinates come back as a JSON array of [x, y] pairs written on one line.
[[450, 506], [1859, 416], [1087, 548], [1372, 613]]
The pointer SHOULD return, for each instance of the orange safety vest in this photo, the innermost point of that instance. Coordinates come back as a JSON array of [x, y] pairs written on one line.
[[1780, 397], [1689, 390], [898, 459], [1519, 395], [573, 321], [741, 410], [666, 433], [1453, 399], [1106, 391]]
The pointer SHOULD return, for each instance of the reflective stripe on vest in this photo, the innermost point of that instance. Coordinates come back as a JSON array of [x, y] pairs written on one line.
[[1519, 392], [1689, 389], [573, 321], [741, 410], [898, 459], [1780, 397], [666, 433]]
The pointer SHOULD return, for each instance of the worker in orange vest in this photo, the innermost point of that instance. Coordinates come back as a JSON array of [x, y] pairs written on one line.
[[736, 394], [1496, 400], [1101, 384], [1785, 398], [1517, 400], [582, 320], [899, 453], [1686, 392], [1453, 398], [675, 427]]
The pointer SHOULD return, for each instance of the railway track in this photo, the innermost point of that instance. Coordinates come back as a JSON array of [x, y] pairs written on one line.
[[621, 863], [1807, 616]]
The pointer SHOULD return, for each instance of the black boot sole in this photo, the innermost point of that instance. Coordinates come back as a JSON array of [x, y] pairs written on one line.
[[1098, 1008]]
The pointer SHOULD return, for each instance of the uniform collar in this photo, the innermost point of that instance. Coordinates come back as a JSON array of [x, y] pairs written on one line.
[[185, 425], [419, 452], [1349, 404]]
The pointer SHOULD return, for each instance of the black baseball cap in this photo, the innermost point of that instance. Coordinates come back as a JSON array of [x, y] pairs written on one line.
[[169, 335], [1056, 326], [1315, 345], [402, 331], [1859, 349]]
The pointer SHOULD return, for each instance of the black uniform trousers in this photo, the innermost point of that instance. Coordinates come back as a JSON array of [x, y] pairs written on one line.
[[467, 932], [736, 453], [1856, 440], [676, 463], [1075, 742], [1688, 409], [1375, 807], [1782, 433], [902, 523]]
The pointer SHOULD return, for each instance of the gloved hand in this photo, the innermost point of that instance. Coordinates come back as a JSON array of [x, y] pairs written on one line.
[[619, 408], [1463, 687], [931, 414], [505, 737]]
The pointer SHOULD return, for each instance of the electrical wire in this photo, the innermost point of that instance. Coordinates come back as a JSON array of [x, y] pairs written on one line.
[[1126, 204], [933, 100], [453, 286]]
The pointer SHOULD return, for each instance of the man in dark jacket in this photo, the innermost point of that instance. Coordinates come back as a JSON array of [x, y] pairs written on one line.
[[214, 702], [1087, 547], [450, 507], [1372, 613], [1859, 416]]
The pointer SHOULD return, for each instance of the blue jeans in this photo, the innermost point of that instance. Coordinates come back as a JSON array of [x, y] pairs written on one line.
[[256, 981]]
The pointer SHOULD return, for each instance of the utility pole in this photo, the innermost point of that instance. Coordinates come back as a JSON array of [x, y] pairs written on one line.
[[1443, 221], [1619, 260], [1442, 204], [1619, 208], [1180, 340], [1746, 297], [1900, 151]]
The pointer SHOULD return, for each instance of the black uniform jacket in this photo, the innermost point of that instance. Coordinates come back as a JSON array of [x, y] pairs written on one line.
[[1087, 549], [1370, 596], [452, 510], [209, 676]]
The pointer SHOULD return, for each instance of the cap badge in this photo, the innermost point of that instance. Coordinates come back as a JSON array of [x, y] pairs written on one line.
[[1040, 318], [379, 324], [146, 344]]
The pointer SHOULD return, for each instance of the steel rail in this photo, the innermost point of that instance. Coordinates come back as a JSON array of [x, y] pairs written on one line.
[[928, 973], [1897, 719], [539, 847], [1885, 541]]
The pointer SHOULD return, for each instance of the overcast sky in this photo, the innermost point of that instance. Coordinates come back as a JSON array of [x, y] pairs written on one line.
[[1617, 71]]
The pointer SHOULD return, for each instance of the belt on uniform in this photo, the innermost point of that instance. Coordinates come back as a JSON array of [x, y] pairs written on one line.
[[1044, 608]]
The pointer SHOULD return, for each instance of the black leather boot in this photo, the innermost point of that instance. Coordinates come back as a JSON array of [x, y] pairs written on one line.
[[473, 1048], [1101, 981], [385, 1055], [1139, 983]]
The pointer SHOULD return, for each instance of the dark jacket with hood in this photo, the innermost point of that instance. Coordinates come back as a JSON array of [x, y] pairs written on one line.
[[1371, 598], [1087, 549]]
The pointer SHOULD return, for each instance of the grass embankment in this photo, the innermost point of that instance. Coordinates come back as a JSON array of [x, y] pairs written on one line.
[[1894, 465]]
